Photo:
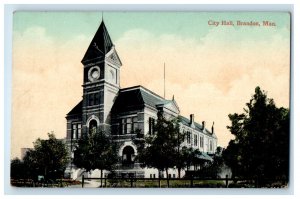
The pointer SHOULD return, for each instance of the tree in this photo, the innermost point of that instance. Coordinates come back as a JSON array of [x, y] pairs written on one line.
[[217, 165], [261, 144], [48, 157], [96, 151], [190, 156], [17, 169], [194, 157], [182, 160], [162, 148]]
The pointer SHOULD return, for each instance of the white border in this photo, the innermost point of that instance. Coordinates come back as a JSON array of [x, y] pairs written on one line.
[[7, 26]]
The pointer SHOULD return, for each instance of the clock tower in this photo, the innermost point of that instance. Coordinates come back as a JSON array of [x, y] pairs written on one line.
[[101, 81]]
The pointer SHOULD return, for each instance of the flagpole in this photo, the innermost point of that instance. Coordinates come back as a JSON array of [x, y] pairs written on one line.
[[164, 81]]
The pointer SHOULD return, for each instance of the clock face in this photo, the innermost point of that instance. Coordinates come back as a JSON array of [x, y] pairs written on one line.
[[94, 73]]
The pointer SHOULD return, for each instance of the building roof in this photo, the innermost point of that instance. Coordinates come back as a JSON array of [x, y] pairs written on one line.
[[138, 96], [77, 110], [185, 121], [204, 156], [135, 97], [151, 98], [99, 46]]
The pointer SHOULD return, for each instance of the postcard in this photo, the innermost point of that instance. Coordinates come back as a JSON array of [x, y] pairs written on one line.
[[151, 99]]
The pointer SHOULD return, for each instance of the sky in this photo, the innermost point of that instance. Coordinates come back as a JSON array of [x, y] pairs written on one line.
[[212, 71]]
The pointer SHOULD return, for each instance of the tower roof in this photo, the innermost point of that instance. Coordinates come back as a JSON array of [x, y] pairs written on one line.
[[99, 46]]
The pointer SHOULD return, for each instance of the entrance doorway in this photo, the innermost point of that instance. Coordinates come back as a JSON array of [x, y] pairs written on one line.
[[128, 156]]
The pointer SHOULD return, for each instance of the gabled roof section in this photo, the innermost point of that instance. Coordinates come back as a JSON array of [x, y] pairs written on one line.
[[113, 57], [169, 104], [77, 110], [99, 46]]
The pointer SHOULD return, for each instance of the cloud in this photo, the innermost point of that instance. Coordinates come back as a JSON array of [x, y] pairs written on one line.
[[215, 58], [210, 76], [47, 79]]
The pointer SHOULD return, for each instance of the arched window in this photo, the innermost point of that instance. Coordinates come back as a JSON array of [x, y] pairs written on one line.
[[93, 126], [112, 76]]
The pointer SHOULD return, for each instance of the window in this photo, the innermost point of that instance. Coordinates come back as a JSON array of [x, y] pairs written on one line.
[[97, 98], [150, 175], [201, 142], [195, 140], [151, 125], [94, 99], [93, 127], [79, 130], [113, 76], [174, 176], [129, 125], [153, 175], [135, 124], [210, 145], [91, 99], [124, 126], [76, 131], [188, 138]]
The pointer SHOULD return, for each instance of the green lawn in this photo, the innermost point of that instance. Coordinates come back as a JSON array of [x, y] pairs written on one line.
[[163, 183]]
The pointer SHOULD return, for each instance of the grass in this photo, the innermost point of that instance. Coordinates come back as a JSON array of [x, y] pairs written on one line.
[[164, 184], [154, 183], [54, 183]]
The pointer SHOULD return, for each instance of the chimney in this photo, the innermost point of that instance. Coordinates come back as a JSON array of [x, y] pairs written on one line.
[[212, 128], [203, 125], [191, 119]]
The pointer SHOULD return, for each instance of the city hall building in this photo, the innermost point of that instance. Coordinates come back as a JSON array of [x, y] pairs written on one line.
[[129, 114]]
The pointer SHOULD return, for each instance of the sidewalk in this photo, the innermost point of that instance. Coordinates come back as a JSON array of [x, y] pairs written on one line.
[[87, 184]]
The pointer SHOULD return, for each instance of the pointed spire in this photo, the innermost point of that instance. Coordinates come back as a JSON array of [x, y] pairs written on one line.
[[212, 128], [99, 46]]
